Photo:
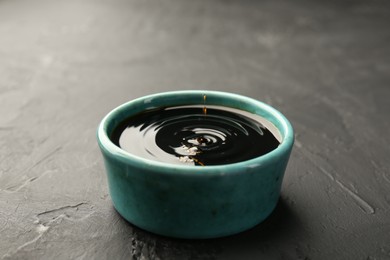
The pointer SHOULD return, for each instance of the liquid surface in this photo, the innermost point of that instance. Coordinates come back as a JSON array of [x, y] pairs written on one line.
[[189, 135]]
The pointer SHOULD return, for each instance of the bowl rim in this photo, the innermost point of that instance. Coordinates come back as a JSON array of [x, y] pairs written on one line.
[[109, 148]]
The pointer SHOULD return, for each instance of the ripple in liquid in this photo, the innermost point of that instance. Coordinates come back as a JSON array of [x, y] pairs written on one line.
[[189, 135]]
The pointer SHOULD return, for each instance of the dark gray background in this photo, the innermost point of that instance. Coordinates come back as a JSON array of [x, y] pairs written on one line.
[[324, 64]]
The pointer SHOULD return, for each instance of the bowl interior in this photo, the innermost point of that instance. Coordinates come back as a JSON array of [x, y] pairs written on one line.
[[179, 98]]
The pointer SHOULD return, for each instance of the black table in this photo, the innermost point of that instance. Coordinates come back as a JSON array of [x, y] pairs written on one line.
[[324, 64]]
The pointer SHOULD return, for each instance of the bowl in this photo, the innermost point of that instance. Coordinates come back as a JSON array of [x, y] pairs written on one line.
[[194, 202]]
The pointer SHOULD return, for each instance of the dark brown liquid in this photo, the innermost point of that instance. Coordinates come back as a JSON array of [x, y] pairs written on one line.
[[195, 136]]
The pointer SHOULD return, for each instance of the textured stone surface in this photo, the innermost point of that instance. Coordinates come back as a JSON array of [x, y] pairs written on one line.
[[324, 64]]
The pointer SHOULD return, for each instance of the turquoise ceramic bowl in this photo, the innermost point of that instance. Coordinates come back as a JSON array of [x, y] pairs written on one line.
[[193, 201]]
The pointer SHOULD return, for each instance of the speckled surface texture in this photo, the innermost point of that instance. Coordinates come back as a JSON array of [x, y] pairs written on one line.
[[324, 64]]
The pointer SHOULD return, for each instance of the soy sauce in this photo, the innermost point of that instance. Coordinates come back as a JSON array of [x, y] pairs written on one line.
[[194, 135]]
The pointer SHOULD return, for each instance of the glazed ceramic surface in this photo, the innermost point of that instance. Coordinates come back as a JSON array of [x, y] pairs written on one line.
[[193, 201]]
